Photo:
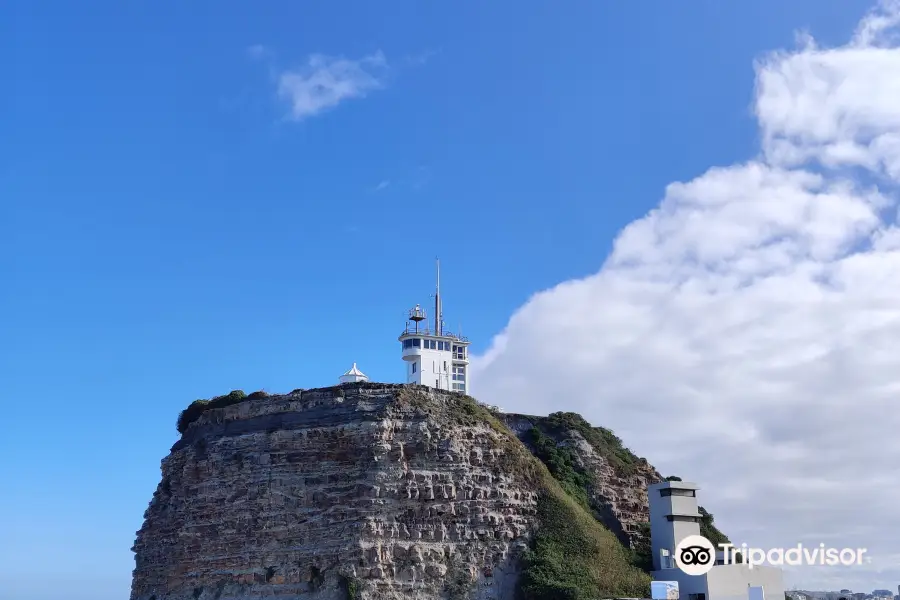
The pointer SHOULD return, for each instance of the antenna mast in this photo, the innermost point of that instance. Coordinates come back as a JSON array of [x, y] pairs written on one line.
[[438, 317]]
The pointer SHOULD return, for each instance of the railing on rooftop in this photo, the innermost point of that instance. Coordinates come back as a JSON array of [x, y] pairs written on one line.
[[425, 331]]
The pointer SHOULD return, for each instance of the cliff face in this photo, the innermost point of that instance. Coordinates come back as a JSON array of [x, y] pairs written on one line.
[[375, 491], [338, 493], [613, 480]]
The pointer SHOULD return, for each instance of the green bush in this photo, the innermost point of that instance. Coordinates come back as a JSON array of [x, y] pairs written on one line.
[[562, 464], [604, 441], [642, 551], [198, 407], [259, 394], [574, 557]]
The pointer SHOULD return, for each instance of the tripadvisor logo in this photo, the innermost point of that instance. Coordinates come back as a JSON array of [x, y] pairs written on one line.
[[696, 555]]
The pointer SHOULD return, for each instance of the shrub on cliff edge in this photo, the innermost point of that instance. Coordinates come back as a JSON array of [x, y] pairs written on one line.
[[198, 407], [604, 441]]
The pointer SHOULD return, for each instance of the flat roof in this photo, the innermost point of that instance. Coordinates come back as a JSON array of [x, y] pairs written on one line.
[[675, 485]]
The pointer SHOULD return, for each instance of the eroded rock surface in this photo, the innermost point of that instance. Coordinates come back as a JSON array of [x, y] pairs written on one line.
[[618, 497], [336, 493]]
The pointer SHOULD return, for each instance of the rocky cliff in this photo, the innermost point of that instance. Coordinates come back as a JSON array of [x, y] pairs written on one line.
[[387, 491], [592, 465]]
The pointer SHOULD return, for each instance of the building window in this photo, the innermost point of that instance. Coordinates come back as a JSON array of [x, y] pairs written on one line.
[[677, 492], [437, 383], [417, 343], [696, 596], [682, 519], [445, 366], [414, 367]]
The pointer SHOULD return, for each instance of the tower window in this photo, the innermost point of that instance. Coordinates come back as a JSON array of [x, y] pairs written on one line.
[[445, 366], [417, 343], [682, 519], [414, 367]]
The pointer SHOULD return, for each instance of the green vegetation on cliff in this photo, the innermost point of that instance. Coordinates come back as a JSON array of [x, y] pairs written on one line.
[[604, 441], [572, 555], [562, 464]]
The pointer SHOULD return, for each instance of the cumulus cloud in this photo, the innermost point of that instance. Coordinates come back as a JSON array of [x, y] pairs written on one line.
[[744, 334], [324, 82]]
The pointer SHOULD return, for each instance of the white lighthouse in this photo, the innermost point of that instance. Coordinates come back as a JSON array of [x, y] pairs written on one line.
[[434, 356]]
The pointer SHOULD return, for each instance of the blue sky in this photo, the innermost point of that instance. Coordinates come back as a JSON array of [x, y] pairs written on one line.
[[170, 233]]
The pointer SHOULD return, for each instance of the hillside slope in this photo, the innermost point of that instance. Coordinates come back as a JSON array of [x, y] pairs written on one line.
[[596, 469]]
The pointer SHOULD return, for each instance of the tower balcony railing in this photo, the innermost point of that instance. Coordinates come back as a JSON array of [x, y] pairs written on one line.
[[412, 330]]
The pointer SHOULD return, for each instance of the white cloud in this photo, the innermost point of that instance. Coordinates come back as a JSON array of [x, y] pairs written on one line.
[[746, 333], [324, 82], [383, 184]]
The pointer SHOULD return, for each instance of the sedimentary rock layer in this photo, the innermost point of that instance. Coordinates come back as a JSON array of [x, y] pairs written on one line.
[[359, 491]]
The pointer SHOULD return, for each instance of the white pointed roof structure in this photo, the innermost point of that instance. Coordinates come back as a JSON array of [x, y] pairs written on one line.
[[353, 375]]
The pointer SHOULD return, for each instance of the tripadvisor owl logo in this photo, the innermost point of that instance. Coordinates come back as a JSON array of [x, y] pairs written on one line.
[[695, 555]]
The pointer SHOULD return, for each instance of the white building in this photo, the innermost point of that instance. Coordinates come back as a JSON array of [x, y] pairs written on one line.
[[434, 356], [673, 517], [353, 375]]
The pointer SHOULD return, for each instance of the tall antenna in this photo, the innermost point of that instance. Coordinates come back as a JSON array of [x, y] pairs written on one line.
[[438, 317]]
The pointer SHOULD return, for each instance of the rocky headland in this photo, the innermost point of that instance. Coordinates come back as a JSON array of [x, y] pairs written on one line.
[[383, 491]]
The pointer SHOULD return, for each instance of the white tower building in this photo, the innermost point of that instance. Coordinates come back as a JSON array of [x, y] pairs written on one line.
[[674, 515], [434, 356], [353, 375]]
